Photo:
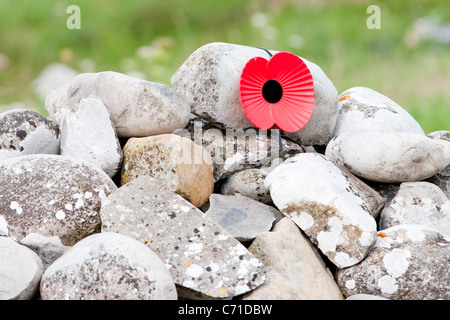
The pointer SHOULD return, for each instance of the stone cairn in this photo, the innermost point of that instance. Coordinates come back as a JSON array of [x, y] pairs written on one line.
[[133, 190]]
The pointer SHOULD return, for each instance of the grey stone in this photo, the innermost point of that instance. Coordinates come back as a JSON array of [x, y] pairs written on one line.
[[249, 183], [176, 162], [51, 77], [210, 78], [408, 262], [52, 195], [297, 270], [88, 134], [108, 266], [418, 203], [389, 156], [203, 259], [314, 193], [362, 108], [242, 217], [20, 271], [24, 132], [234, 150], [47, 248]]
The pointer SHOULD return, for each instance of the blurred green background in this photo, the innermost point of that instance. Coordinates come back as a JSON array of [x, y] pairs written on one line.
[[408, 59]]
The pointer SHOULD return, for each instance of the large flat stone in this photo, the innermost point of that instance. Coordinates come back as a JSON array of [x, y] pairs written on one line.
[[362, 108], [204, 259], [298, 271]]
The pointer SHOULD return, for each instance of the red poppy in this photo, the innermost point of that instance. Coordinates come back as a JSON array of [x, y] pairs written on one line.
[[277, 92]]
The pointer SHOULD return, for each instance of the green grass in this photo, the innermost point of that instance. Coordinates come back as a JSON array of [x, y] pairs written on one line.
[[155, 37]]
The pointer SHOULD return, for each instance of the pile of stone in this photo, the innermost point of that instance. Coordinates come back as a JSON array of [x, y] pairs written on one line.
[[134, 190]]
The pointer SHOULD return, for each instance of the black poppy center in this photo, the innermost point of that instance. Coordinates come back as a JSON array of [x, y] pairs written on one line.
[[272, 91]]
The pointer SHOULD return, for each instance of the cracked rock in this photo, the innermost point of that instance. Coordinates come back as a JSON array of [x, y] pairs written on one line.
[[234, 150]]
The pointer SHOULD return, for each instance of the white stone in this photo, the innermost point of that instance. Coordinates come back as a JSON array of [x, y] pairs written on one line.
[[343, 227], [20, 271], [362, 108], [56, 103], [389, 157], [88, 134]]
